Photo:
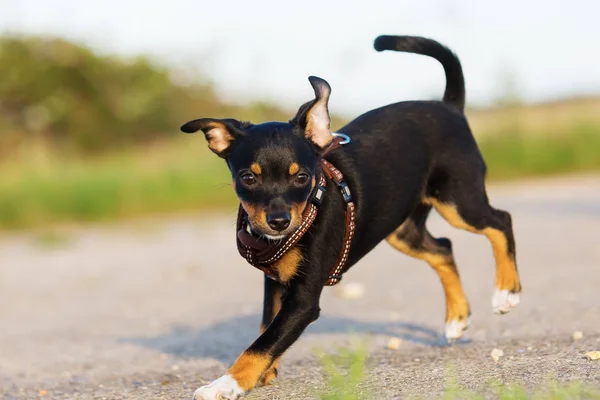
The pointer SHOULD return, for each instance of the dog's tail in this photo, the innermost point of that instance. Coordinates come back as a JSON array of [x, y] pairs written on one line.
[[455, 81]]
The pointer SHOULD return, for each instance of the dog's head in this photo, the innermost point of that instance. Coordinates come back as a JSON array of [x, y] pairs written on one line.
[[273, 164]]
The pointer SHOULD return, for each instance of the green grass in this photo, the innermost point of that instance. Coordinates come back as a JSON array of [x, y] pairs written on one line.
[[52, 239], [346, 373], [172, 178], [40, 189], [551, 390], [512, 156]]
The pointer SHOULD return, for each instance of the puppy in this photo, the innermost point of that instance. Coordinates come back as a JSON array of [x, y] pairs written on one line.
[[402, 160]]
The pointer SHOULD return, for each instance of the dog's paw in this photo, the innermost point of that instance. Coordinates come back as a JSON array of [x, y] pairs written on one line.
[[455, 329], [503, 301], [223, 388]]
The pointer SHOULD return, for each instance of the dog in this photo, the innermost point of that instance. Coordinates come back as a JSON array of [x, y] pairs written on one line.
[[403, 160]]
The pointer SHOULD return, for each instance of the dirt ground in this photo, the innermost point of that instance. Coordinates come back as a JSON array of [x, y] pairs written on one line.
[[156, 308]]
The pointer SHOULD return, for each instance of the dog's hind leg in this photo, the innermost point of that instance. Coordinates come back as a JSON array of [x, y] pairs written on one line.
[[413, 239], [464, 204]]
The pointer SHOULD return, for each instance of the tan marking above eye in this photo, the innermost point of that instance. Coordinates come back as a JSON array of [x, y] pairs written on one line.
[[256, 168], [294, 168]]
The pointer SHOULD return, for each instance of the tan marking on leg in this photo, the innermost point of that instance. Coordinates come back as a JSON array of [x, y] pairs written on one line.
[[457, 306], [270, 374], [450, 214], [507, 277], [248, 369], [294, 168], [276, 308], [287, 266], [276, 303], [256, 168]]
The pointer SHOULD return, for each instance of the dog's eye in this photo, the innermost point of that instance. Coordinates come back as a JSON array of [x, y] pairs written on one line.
[[248, 178], [301, 178]]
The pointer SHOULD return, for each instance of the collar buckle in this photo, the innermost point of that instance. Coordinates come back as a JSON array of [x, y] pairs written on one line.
[[317, 197], [345, 190]]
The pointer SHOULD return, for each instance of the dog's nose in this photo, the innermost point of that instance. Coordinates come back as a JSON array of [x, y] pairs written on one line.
[[278, 221]]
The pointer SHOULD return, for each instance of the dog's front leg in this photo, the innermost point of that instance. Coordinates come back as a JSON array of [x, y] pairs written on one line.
[[272, 304], [299, 308]]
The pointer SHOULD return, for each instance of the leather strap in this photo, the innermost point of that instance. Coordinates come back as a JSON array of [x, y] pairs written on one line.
[[338, 178], [262, 254]]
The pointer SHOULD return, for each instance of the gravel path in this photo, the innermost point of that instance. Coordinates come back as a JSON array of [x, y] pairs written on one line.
[[155, 308]]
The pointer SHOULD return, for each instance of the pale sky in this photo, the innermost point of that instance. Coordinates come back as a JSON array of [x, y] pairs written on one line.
[[266, 49]]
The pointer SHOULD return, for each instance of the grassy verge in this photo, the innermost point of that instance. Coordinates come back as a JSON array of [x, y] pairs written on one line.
[[346, 372], [551, 390], [41, 189], [514, 156], [38, 188]]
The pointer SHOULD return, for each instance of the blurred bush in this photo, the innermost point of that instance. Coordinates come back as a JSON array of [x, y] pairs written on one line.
[[69, 97], [61, 103]]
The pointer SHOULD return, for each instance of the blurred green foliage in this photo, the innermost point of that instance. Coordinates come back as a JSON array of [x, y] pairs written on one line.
[[346, 373], [347, 378], [171, 177], [87, 137], [76, 100], [184, 175], [509, 155]]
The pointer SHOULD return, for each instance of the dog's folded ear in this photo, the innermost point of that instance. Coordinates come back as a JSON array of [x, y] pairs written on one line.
[[313, 117], [219, 133]]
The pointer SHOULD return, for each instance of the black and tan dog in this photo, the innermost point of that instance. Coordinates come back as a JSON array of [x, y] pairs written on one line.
[[403, 159]]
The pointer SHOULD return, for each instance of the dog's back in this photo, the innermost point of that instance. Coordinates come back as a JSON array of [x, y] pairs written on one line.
[[398, 151]]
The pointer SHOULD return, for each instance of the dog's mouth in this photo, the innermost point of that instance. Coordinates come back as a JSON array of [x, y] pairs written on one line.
[[274, 237], [259, 227], [267, 233], [258, 224]]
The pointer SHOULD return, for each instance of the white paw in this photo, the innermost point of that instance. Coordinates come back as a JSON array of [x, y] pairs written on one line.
[[223, 388], [455, 329], [503, 301]]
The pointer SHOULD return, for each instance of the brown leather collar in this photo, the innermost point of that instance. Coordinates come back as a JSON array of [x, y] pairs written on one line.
[[262, 254]]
